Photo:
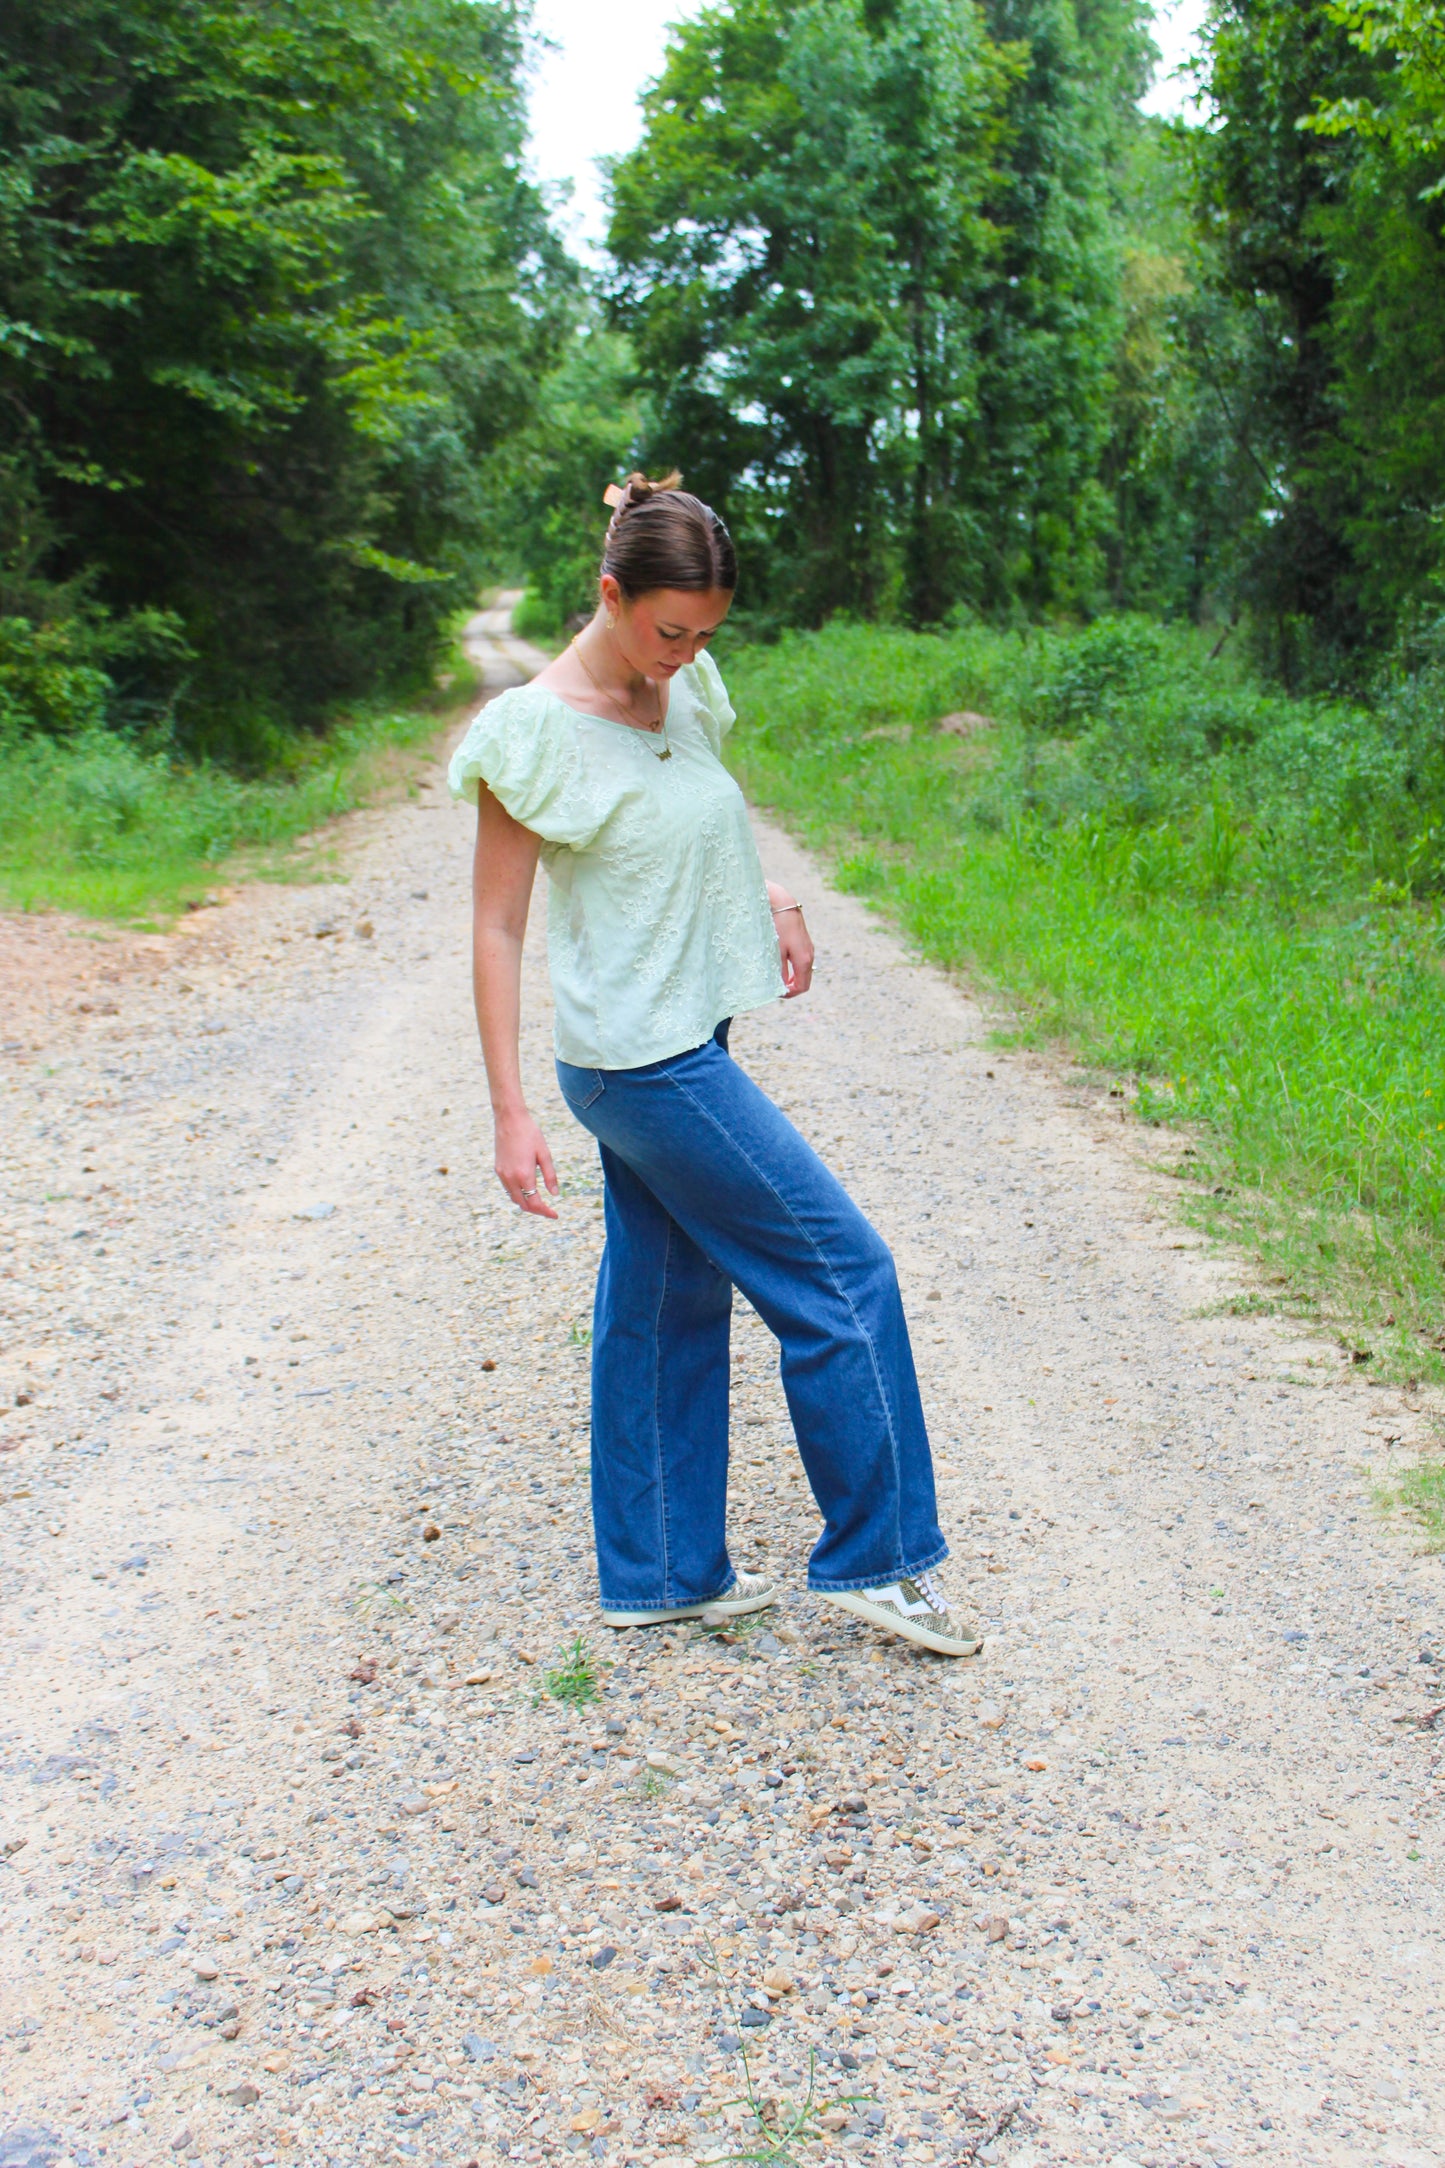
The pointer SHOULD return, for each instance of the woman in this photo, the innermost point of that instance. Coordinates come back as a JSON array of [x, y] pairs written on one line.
[[661, 928]]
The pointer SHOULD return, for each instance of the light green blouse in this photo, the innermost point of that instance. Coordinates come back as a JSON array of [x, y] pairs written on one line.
[[658, 923]]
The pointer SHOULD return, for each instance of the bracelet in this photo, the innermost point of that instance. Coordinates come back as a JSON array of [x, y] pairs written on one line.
[[779, 909]]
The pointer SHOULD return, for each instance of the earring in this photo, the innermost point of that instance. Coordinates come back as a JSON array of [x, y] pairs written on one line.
[[611, 622]]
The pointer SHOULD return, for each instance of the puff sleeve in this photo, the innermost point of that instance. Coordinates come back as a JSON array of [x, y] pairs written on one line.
[[714, 706], [525, 747]]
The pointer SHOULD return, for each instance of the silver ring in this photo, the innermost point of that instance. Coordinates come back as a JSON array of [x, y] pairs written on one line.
[[529, 1193]]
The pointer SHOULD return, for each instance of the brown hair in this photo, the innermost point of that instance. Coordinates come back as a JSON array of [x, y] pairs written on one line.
[[661, 536]]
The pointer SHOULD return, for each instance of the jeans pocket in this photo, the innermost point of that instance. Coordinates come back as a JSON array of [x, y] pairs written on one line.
[[579, 1087]]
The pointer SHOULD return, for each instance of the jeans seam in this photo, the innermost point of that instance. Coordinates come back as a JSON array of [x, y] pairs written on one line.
[[690, 1603], [661, 1459], [863, 1333], [874, 1580]]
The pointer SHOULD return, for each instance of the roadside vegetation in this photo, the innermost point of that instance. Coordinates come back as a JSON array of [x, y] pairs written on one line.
[[1230, 897], [97, 825]]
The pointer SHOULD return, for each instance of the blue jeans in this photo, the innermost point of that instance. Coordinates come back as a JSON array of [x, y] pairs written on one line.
[[709, 1187]]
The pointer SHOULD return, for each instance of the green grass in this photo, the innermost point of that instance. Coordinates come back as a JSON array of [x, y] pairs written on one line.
[[1419, 1493], [731, 1628], [1228, 898], [781, 2127], [90, 824], [574, 1680]]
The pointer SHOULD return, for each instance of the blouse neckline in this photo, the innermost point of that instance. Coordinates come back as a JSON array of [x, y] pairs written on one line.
[[634, 730]]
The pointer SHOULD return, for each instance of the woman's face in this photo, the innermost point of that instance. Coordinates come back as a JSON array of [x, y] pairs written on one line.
[[660, 631]]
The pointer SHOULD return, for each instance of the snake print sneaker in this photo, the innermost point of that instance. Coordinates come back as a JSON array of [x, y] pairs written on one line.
[[915, 1607], [749, 1592]]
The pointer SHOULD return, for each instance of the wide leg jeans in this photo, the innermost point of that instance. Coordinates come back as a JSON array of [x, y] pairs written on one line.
[[710, 1187]]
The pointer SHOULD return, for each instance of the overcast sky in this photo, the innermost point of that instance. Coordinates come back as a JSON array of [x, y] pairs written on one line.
[[584, 98]]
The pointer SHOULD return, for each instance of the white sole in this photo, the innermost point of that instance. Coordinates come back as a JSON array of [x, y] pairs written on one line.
[[720, 1607], [892, 1622]]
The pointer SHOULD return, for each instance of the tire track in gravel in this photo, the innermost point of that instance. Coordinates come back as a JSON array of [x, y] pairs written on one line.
[[1154, 1880]]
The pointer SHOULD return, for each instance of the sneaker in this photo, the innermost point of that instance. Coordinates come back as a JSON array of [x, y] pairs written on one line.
[[749, 1592], [916, 1608]]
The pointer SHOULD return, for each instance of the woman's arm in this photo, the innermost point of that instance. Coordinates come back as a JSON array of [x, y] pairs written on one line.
[[795, 946], [503, 871]]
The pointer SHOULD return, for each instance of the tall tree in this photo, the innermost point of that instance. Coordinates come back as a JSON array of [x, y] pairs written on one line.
[[272, 287], [586, 432], [1385, 240], [868, 251], [1051, 317], [941, 91], [796, 240], [1177, 467], [1266, 183]]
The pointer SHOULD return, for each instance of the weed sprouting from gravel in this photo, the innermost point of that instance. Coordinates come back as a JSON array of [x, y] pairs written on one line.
[[1250, 1305], [728, 1630], [780, 2124], [574, 1681], [375, 1601]]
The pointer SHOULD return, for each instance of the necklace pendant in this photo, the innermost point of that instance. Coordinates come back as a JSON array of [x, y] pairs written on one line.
[[666, 753]]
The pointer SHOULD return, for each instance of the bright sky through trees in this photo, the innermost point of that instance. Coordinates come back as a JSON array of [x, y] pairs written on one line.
[[584, 94], [1177, 34]]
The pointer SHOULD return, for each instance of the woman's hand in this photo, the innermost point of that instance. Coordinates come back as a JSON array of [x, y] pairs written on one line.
[[522, 1155], [795, 944]]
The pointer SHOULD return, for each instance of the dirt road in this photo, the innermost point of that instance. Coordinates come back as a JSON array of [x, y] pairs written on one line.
[[304, 1860]]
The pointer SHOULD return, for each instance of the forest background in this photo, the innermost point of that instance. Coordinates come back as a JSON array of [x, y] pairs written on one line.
[[1122, 439]]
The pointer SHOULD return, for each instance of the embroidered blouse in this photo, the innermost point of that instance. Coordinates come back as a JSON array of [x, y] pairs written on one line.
[[658, 924]]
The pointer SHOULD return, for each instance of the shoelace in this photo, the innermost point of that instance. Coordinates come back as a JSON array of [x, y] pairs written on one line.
[[933, 1592]]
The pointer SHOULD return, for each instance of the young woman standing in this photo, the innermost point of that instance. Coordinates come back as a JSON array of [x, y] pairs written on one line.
[[661, 929]]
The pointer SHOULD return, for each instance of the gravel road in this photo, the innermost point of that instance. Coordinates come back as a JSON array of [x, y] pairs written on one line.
[[306, 1862]]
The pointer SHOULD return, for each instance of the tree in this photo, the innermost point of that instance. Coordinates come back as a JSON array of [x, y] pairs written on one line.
[[1050, 318], [1265, 184], [587, 432], [1385, 240], [796, 239], [869, 253], [941, 91], [1177, 466], [1405, 106], [272, 289]]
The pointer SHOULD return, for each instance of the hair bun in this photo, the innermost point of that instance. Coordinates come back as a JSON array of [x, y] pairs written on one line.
[[637, 489], [681, 543]]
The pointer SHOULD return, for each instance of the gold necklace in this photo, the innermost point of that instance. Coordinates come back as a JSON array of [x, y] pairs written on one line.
[[651, 728]]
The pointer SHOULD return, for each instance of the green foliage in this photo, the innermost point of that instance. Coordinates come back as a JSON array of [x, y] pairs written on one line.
[[1176, 470], [585, 435], [1050, 316], [272, 291], [781, 2130], [574, 1679], [1264, 182], [86, 670], [1419, 1493], [91, 823], [1232, 896], [945, 328], [1407, 111], [1320, 192], [866, 258]]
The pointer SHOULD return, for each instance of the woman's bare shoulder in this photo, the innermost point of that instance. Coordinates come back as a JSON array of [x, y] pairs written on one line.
[[565, 680]]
